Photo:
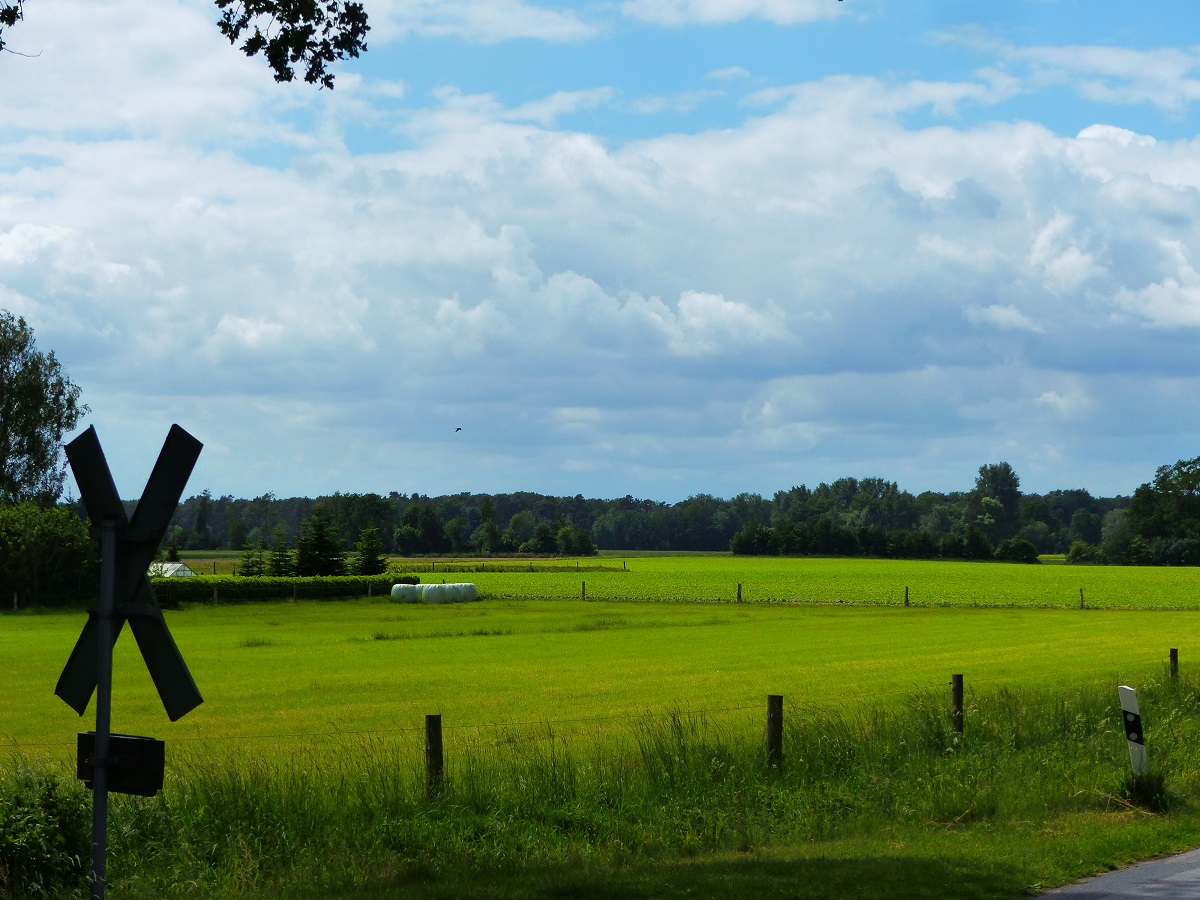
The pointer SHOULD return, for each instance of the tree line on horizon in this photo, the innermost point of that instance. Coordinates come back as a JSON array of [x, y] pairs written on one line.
[[47, 556], [848, 517]]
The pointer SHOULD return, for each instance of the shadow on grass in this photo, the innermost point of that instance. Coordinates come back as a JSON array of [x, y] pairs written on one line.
[[868, 877]]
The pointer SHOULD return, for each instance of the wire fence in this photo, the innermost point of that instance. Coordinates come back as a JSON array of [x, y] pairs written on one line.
[[983, 690]]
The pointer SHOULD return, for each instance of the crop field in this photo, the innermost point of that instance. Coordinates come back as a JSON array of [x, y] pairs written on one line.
[[605, 741], [706, 577], [822, 580]]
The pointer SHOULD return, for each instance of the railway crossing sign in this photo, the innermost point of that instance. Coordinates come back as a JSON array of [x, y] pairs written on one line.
[[136, 541]]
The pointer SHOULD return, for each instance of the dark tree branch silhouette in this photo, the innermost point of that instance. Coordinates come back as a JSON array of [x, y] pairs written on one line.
[[304, 35]]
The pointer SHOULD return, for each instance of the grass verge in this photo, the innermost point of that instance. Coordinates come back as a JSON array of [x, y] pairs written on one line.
[[874, 802]]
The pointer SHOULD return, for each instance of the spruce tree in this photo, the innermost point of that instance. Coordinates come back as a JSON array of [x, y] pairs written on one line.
[[281, 563], [318, 551], [371, 560]]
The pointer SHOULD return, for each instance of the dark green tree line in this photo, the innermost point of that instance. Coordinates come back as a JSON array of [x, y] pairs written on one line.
[[38, 405]]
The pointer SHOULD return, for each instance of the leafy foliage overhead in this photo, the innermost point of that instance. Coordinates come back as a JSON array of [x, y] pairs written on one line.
[[10, 12], [311, 33], [305, 34]]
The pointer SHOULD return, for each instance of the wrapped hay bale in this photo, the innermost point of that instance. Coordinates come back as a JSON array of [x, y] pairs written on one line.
[[445, 593], [405, 593]]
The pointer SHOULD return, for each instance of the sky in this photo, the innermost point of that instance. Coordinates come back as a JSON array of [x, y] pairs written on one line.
[[646, 247]]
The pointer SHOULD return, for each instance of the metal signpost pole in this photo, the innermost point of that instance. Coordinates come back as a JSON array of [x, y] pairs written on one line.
[[104, 640]]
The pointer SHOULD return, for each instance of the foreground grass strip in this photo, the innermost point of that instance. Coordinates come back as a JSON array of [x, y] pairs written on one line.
[[981, 862], [886, 801]]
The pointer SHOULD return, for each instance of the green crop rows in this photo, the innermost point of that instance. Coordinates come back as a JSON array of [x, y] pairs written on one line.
[[813, 580]]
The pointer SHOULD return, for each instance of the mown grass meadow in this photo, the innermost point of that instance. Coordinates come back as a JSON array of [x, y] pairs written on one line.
[[613, 748], [323, 667]]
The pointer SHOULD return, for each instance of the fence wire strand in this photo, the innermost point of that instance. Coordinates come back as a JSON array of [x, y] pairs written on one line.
[[914, 691]]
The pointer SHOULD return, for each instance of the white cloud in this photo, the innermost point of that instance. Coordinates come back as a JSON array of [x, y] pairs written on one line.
[[675, 13], [1164, 77], [1064, 266], [136, 67], [709, 323], [1070, 400], [1003, 317], [1120, 136], [1172, 302], [729, 73], [480, 21], [24, 242], [685, 102], [546, 111]]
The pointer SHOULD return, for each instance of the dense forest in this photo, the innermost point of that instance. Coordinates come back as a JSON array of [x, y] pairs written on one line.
[[851, 516]]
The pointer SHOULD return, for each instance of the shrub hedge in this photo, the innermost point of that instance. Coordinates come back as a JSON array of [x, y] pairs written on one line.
[[235, 588]]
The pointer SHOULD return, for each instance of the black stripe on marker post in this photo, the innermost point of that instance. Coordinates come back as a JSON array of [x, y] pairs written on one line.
[[1133, 728]]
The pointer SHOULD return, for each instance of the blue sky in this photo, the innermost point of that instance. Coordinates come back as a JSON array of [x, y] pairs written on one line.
[[648, 247]]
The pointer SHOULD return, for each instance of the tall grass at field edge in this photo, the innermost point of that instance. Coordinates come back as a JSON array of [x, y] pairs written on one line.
[[675, 788]]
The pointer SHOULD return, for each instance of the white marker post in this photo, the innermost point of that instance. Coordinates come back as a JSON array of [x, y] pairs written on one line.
[[1133, 729]]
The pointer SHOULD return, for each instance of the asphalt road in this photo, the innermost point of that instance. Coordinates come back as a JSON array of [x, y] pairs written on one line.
[[1171, 878]]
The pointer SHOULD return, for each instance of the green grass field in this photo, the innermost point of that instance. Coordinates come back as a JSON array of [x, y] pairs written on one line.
[[608, 748], [320, 668], [705, 577], [822, 580]]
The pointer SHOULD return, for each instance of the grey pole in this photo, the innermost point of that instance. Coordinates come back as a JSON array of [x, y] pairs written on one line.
[[104, 637]]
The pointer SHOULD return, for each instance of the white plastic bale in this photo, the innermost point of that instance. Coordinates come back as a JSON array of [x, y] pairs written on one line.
[[405, 593], [462, 592]]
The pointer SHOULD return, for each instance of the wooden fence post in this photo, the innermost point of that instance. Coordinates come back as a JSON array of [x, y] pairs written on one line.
[[906, 595], [956, 703], [1174, 663], [583, 590], [739, 592], [434, 763], [775, 730], [1081, 598]]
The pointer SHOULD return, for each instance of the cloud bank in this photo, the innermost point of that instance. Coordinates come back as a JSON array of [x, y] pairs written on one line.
[[845, 280]]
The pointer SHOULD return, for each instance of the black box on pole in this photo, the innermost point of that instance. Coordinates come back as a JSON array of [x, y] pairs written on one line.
[[135, 764]]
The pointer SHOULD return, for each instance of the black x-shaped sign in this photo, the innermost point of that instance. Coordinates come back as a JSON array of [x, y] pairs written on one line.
[[138, 539]]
